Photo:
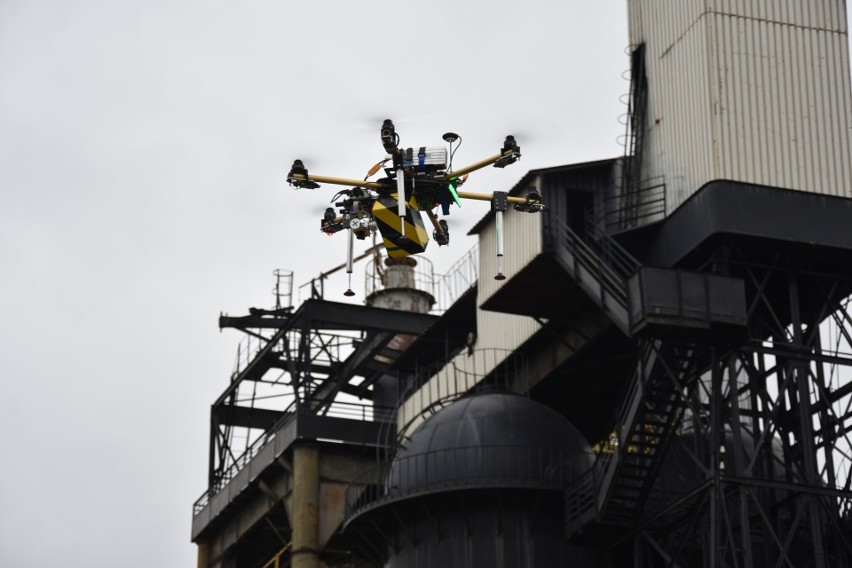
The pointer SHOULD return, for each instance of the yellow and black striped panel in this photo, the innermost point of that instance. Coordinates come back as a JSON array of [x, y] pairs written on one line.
[[388, 221]]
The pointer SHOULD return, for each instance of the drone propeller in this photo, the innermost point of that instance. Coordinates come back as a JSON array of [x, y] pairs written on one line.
[[366, 122], [532, 130], [300, 168]]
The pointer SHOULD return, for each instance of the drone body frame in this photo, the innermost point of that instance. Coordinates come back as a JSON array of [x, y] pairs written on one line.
[[418, 181]]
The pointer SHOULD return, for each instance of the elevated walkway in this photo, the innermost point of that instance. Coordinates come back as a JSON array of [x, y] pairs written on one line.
[[345, 425]]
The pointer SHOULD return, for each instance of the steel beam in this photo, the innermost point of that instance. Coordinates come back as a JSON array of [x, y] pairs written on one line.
[[245, 417], [368, 349]]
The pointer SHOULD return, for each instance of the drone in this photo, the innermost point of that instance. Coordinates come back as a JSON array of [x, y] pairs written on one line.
[[416, 180]]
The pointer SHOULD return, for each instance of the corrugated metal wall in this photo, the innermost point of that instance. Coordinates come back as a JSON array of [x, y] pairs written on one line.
[[463, 373], [522, 238], [498, 334], [750, 91]]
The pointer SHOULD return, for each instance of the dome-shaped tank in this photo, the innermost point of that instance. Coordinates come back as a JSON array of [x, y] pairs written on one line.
[[490, 440], [480, 483]]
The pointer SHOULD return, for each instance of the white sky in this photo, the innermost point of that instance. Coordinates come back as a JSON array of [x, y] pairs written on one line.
[[143, 153]]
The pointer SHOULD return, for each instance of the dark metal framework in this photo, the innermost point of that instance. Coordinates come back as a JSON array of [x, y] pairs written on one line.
[[739, 452], [731, 445], [301, 362]]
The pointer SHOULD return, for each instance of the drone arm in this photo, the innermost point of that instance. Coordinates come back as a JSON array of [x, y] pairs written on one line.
[[487, 197], [479, 165], [509, 154], [337, 181], [438, 229]]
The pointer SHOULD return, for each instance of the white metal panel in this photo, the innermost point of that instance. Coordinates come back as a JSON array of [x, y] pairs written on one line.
[[659, 23], [779, 90], [807, 13], [503, 331], [757, 92], [498, 334], [463, 373], [678, 140], [522, 238], [682, 125]]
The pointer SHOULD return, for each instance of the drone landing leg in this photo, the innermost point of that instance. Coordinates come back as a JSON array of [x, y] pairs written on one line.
[[499, 227], [350, 246], [499, 204], [400, 197]]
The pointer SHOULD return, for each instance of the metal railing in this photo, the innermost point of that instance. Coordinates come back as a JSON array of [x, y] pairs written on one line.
[[504, 369], [444, 288], [582, 495], [467, 467], [583, 256], [461, 277], [283, 290], [346, 410], [247, 350], [422, 275], [611, 252], [636, 205]]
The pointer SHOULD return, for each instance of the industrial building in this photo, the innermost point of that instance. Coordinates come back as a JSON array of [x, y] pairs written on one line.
[[662, 379]]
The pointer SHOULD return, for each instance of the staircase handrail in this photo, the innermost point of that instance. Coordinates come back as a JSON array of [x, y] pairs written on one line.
[[611, 250], [610, 280]]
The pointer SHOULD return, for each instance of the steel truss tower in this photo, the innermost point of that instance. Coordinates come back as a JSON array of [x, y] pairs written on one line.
[[742, 456], [721, 389]]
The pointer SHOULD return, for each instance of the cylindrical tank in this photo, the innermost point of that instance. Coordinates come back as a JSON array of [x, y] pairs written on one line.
[[400, 285]]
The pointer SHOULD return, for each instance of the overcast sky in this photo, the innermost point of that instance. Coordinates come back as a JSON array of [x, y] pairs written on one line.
[[143, 153]]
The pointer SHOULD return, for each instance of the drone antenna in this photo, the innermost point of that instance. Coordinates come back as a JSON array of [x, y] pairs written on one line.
[[450, 138], [349, 253]]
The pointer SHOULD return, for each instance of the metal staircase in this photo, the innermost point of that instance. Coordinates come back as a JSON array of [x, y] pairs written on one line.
[[651, 413], [615, 490]]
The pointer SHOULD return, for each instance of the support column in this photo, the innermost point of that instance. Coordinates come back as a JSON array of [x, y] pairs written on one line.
[[203, 561], [305, 508], [717, 439], [805, 442]]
